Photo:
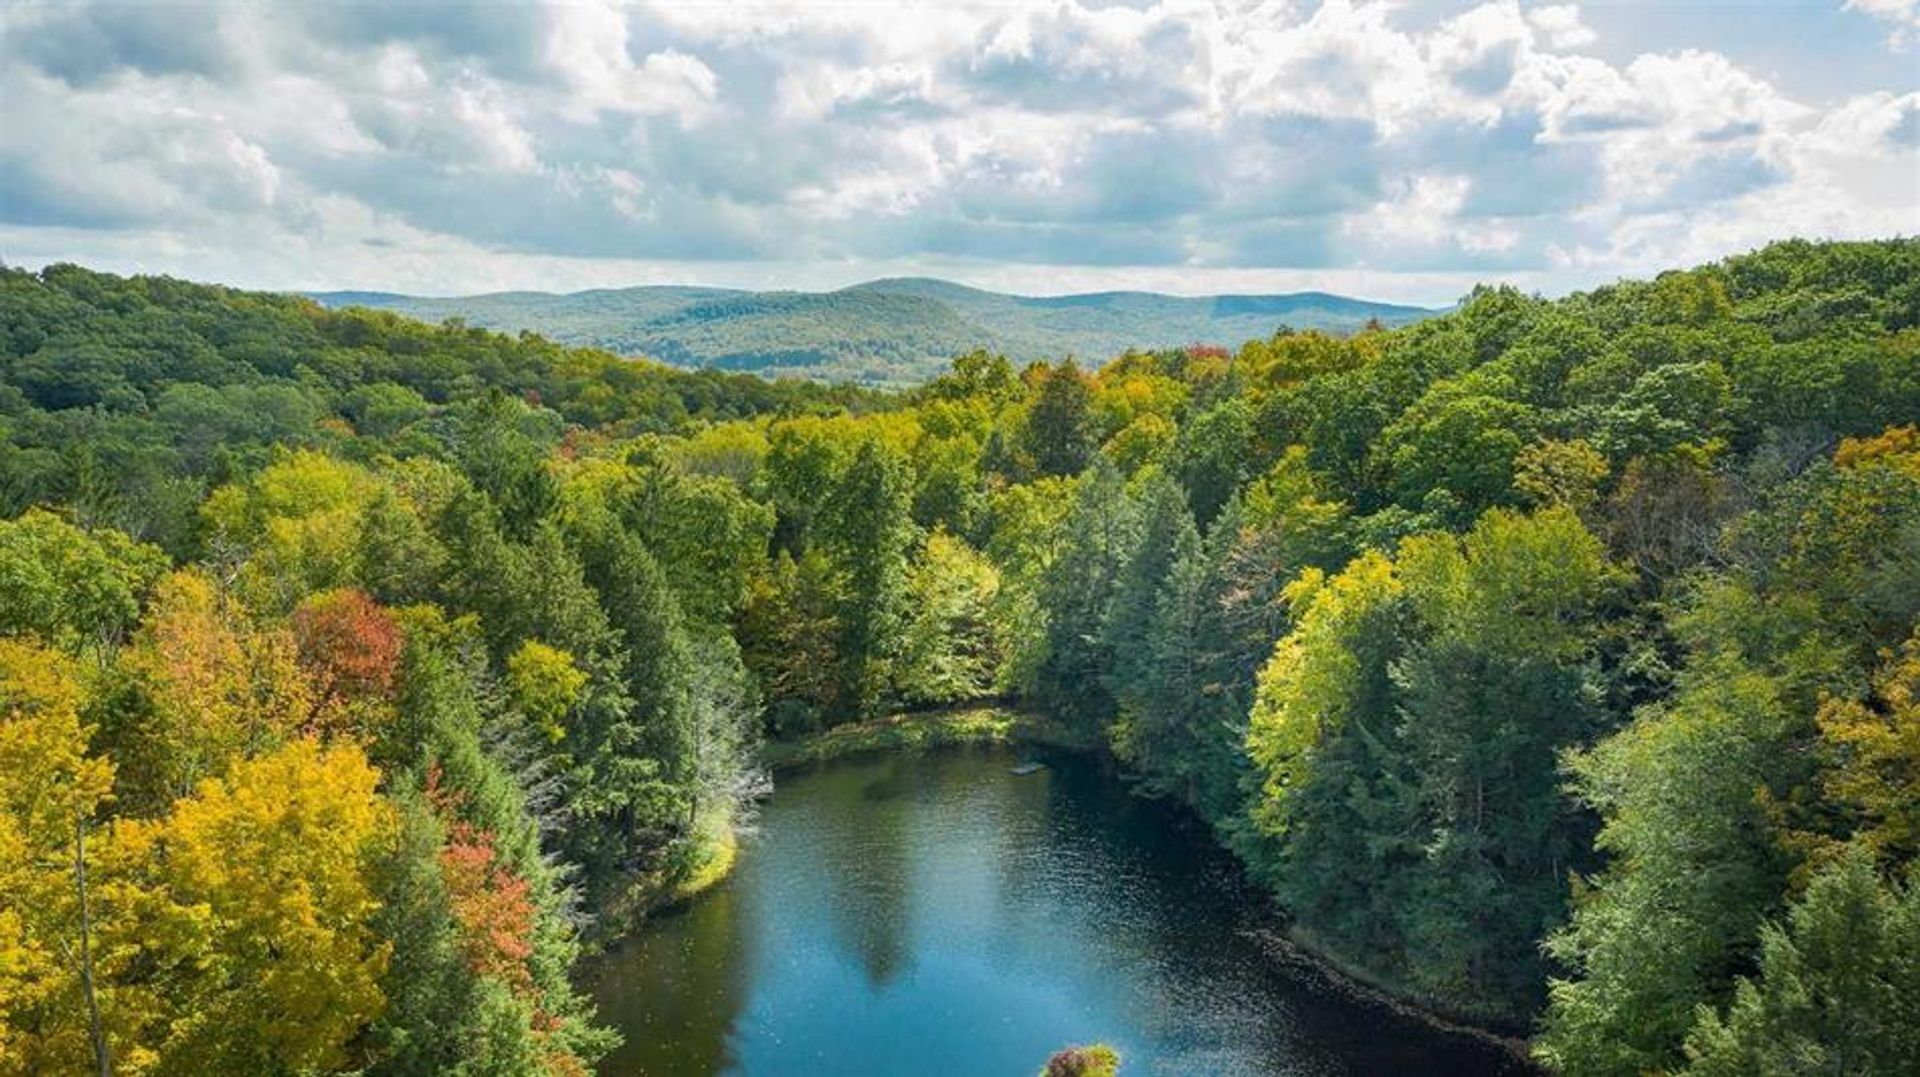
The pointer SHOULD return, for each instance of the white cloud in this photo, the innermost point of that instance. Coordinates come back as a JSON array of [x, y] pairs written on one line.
[[590, 45], [1423, 218], [1560, 25], [1903, 14], [450, 148], [1344, 62]]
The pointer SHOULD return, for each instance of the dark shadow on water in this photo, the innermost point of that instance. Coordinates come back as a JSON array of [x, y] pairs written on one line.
[[936, 913]]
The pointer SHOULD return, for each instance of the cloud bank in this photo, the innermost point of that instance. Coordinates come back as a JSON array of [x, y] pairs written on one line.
[[1185, 145]]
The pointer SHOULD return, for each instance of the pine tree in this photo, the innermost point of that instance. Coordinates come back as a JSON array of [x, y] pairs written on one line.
[[1167, 535], [1059, 435], [1838, 989], [867, 531], [1077, 590]]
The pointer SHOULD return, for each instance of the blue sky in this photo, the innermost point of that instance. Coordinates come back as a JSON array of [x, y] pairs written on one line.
[[1393, 150]]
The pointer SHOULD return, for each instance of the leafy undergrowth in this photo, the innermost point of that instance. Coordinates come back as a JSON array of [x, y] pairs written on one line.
[[705, 861], [714, 863]]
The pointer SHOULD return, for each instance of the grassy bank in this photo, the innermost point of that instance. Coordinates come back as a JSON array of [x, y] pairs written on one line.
[[921, 730], [712, 862], [707, 860]]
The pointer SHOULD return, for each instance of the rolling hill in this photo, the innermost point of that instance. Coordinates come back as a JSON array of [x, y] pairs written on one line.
[[884, 331]]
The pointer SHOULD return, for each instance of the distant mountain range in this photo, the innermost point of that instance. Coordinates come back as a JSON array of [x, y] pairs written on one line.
[[884, 331]]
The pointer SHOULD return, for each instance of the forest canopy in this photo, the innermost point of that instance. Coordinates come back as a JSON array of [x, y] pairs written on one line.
[[1553, 662]]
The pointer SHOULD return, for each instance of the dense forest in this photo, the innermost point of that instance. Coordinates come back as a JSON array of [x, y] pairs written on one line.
[[1553, 662], [898, 331]]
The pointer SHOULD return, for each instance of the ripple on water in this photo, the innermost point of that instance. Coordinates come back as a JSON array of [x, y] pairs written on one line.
[[936, 914]]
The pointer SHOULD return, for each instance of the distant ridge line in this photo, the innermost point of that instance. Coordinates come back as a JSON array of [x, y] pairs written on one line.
[[893, 330]]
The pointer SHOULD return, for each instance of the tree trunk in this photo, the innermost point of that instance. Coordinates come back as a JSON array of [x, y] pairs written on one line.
[[94, 1031]]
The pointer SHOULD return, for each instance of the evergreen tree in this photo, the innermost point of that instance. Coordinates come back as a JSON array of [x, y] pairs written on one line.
[[1177, 714], [1166, 535], [1059, 436], [867, 531], [1077, 591], [1838, 989], [655, 655]]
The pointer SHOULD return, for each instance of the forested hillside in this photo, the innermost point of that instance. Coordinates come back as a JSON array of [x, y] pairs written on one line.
[[1552, 662], [899, 331]]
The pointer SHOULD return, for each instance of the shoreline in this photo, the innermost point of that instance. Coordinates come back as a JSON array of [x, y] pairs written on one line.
[[1285, 945], [986, 723], [644, 895], [1007, 725]]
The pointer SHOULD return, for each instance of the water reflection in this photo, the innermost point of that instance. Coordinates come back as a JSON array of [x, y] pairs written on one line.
[[936, 914], [867, 868], [678, 1016]]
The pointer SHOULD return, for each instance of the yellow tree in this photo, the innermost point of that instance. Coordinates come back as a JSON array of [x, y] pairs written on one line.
[[278, 855], [299, 520], [545, 684], [1872, 748], [216, 687], [49, 789]]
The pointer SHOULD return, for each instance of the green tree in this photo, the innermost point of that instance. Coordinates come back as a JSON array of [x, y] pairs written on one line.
[[1077, 589], [708, 529], [1667, 407], [1457, 441], [537, 590], [632, 753], [501, 443], [68, 586], [1569, 473], [805, 457], [867, 531], [399, 560], [1838, 989], [1690, 850], [1216, 456], [1185, 723], [1166, 537], [789, 640], [952, 644], [1059, 435], [977, 374], [1418, 710]]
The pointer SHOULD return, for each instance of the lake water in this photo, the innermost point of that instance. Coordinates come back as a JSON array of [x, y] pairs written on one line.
[[938, 916]]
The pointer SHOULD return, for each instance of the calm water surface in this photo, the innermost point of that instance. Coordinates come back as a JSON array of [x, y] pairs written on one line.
[[937, 915]]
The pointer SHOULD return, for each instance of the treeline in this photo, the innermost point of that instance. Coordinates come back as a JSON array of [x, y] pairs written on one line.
[[1553, 661], [128, 399]]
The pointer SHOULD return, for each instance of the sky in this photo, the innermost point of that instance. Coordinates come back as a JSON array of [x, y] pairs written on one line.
[[1391, 150]]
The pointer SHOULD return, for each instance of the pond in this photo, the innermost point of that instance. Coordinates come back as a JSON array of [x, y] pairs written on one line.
[[937, 914]]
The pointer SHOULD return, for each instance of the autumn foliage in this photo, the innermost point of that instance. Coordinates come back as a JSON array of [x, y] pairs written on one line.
[[1553, 660], [350, 649], [492, 904], [218, 685]]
